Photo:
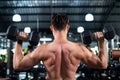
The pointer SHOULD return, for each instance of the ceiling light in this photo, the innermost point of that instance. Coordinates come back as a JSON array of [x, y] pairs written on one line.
[[27, 29], [16, 18], [80, 29], [89, 17]]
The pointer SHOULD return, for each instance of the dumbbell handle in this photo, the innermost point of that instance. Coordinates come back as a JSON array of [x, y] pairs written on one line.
[[98, 36], [33, 37], [22, 36]]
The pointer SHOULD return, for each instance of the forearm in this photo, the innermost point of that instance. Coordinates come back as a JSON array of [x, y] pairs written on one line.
[[103, 56], [17, 57]]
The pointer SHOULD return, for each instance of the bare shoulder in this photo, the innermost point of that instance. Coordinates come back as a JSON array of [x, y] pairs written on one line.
[[39, 51], [81, 46], [73, 46], [78, 45], [85, 48], [41, 47], [81, 50]]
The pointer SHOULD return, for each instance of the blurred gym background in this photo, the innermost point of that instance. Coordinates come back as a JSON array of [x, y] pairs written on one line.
[[35, 15]]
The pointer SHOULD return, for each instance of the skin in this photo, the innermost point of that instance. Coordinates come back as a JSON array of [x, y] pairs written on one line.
[[61, 57]]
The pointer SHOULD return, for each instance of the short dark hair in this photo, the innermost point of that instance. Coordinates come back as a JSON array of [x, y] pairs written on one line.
[[59, 21]]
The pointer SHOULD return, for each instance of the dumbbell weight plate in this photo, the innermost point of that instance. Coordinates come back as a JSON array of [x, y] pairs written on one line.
[[108, 32], [34, 38], [12, 33], [87, 37]]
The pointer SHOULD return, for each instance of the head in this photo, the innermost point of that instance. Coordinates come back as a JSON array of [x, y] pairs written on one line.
[[60, 22]]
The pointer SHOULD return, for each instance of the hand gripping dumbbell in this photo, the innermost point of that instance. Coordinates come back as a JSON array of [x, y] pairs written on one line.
[[88, 37], [13, 34]]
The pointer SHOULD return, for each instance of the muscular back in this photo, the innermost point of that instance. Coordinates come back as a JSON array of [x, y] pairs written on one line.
[[60, 60]]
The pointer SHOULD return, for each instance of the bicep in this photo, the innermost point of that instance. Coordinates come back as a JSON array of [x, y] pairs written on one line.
[[28, 61], [31, 59], [91, 61], [89, 58]]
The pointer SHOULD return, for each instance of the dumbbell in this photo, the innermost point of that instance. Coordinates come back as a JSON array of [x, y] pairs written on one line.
[[13, 33], [88, 37]]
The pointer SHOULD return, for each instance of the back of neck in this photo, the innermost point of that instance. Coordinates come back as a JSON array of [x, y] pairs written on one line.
[[60, 36]]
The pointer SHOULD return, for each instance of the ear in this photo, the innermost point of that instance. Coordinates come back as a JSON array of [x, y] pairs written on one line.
[[68, 27], [51, 27]]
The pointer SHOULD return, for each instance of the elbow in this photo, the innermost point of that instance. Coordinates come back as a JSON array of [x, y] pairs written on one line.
[[16, 67], [104, 66]]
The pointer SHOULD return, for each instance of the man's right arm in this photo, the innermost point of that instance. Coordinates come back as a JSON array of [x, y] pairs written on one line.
[[92, 60]]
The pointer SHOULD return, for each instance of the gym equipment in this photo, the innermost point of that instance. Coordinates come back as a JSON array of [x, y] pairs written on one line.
[[108, 32], [13, 33], [117, 31], [88, 37], [115, 54]]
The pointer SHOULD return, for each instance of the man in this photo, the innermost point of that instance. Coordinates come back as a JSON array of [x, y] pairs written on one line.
[[61, 57]]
